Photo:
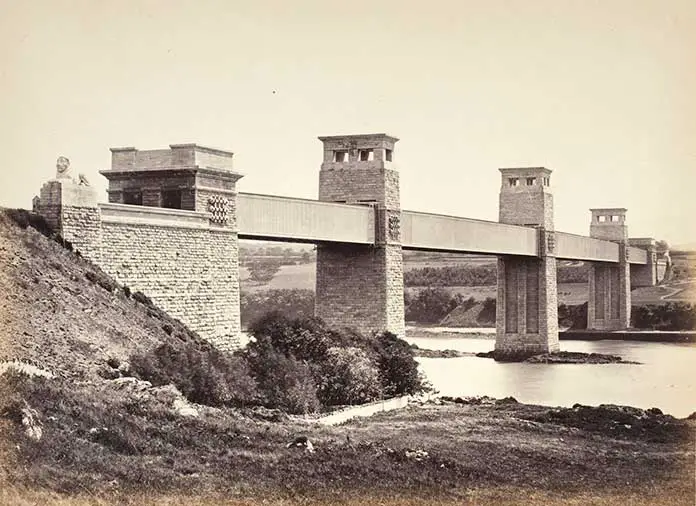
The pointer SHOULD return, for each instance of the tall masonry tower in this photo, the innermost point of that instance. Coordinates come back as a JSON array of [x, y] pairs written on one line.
[[362, 286], [525, 197], [527, 312], [609, 306]]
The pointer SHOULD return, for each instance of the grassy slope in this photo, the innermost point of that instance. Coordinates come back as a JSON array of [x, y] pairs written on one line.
[[55, 317], [105, 444]]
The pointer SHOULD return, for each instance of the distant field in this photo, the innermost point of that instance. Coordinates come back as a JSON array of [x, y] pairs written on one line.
[[446, 261], [304, 276], [675, 292], [289, 276]]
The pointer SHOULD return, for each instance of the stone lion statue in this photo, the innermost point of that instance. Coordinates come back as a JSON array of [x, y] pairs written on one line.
[[62, 168]]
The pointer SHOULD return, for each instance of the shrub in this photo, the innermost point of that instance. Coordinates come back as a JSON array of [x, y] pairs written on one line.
[[487, 313], [336, 380], [669, 316], [303, 338], [431, 305], [348, 377], [143, 299], [398, 368], [263, 271], [102, 280], [202, 373], [573, 316], [284, 382], [24, 219]]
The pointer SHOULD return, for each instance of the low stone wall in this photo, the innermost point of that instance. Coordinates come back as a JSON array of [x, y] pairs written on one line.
[[363, 410]]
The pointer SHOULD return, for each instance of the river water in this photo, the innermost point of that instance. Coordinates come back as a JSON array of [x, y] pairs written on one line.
[[665, 378]]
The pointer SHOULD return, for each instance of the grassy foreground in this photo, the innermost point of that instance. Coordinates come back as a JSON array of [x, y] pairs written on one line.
[[104, 444]]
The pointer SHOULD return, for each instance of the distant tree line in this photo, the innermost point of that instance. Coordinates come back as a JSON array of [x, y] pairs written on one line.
[[274, 255], [292, 303], [670, 316], [480, 275], [432, 305]]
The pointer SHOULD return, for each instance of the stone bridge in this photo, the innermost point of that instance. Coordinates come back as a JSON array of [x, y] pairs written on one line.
[[174, 218]]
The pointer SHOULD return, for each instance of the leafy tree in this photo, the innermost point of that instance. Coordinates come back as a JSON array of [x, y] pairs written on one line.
[[431, 305], [263, 271]]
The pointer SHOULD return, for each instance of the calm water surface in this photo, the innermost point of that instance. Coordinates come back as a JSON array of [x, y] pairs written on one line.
[[665, 378]]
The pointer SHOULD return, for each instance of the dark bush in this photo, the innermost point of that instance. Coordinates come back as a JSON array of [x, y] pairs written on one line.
[[64, 242], [24, 219], [573, 316], [102, 280], [107, 372], [431, 305], [488, 312], [202, 373], [397, 366], [284, 382], [143, 299], [348, 376], [669, 316], [263, 270], [303, 338], [309, 340], [113, 362]]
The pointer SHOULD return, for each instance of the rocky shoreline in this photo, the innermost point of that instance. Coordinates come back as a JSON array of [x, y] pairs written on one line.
[[428, 353], [561, 357]]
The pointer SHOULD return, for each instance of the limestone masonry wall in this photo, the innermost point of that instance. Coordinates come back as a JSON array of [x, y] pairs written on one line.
[[527, 288], [185, 261], [191, 273], [360, 185], [361, 287], [525, 209]]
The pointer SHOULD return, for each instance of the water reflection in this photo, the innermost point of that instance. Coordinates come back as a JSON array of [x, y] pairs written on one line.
[[664, 379]]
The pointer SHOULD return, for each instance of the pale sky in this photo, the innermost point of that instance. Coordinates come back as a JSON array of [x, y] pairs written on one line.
[[601, 91]]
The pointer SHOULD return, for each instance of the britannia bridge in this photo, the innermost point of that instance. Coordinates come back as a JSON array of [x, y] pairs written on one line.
[[174, 218]]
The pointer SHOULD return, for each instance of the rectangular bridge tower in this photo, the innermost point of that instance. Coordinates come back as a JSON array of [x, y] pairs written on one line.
[[361, 286], [527, 303], [609, 304]]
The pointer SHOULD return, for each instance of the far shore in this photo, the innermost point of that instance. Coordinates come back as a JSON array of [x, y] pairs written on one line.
[[659, 336]]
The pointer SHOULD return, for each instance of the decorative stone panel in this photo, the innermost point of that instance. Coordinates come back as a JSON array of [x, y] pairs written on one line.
[[219, 209]]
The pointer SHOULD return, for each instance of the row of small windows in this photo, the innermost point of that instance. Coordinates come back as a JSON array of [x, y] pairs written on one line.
[[611, 218], [530, 181], [364, 155], [170, 199]]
